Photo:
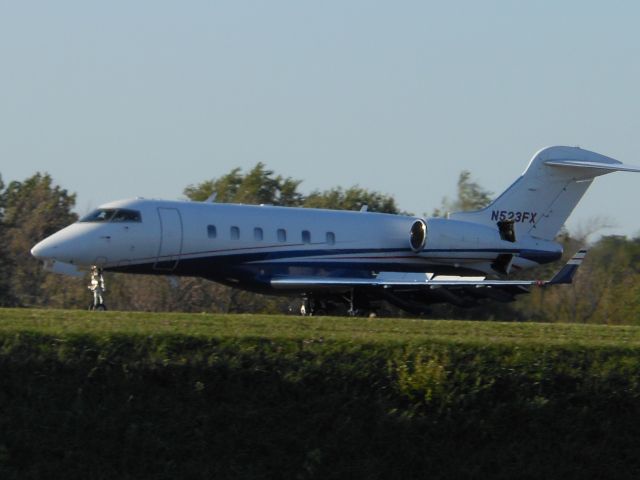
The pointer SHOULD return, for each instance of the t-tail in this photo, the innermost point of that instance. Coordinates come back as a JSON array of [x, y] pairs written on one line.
[[540, 201]]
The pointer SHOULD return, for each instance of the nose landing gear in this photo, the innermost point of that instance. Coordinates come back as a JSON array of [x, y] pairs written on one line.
[[96, 285]]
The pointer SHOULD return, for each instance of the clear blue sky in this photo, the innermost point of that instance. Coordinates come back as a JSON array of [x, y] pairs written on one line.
[[121, 99]]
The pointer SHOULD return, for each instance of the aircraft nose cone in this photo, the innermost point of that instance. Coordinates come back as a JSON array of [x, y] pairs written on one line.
[[43, 249]]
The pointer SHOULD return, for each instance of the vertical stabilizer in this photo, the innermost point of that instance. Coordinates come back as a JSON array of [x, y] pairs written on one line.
[[541, 200]]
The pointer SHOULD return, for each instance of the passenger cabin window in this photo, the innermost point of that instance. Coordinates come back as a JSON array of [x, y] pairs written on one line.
[[306, 236], [257, 234], [212, 232], [235, 233], [331, 238], [112, 215], [282, 235]]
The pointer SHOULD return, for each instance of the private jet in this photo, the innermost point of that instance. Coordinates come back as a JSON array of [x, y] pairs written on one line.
[[351, 258]]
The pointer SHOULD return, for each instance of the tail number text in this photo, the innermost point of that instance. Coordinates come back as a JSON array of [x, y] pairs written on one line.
[[518, 217]]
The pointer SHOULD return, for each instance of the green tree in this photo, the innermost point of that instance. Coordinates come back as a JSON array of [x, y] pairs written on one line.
[[469, 196], [5, 274], [258, 186], [614, 279], [261, 186], [605, 289], [32, 210], [352, 198]]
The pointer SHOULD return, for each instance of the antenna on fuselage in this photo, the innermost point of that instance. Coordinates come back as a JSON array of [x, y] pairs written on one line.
[[212, 198], [364, 208]]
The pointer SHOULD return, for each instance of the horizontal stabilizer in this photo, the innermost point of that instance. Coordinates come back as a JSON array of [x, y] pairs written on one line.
[[605, 167]]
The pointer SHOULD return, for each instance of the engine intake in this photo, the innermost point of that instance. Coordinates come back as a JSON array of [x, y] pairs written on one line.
[[418, 235]]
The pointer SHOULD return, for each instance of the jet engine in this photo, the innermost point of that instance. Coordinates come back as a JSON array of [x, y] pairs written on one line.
[[418, 235]]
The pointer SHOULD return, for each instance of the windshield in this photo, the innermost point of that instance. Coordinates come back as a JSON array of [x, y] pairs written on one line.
[[112, 215]]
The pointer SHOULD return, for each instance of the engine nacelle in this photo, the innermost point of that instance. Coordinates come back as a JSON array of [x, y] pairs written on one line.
[[446, 234], [418, 235], [442, 236]]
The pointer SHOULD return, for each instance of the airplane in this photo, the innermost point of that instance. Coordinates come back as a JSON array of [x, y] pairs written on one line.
[[335, 258]]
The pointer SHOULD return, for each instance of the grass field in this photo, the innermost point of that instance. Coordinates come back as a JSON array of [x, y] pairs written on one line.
[[373, 330], [136, 395]]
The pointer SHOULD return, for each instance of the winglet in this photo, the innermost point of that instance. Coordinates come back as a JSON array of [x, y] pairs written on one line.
[[566, 273]]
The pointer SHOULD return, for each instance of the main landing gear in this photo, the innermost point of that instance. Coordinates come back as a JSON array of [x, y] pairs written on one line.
[[310, 307], [96, 285], [313, 306], [352, 311]]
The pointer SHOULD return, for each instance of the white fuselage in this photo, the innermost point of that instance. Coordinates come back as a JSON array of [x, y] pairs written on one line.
[[247, 245]]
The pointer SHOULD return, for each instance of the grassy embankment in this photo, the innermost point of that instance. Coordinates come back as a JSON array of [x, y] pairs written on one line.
[[121, 395]]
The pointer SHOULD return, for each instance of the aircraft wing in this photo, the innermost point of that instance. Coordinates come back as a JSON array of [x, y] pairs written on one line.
[[310, 283]]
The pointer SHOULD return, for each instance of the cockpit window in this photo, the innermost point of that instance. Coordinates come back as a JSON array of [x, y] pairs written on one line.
[[126, 216], [112, 215], [100, 215]]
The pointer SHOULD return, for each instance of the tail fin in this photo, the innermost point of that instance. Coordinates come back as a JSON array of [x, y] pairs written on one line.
[[541, 200]]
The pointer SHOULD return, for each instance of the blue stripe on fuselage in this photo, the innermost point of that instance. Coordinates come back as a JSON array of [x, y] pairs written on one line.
[[245, 255], [222, 263]]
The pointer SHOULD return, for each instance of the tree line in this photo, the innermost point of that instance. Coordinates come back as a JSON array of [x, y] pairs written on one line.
[[606, 289]]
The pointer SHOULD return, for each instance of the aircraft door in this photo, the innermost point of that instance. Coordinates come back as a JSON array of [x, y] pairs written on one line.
[[170, 239]]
